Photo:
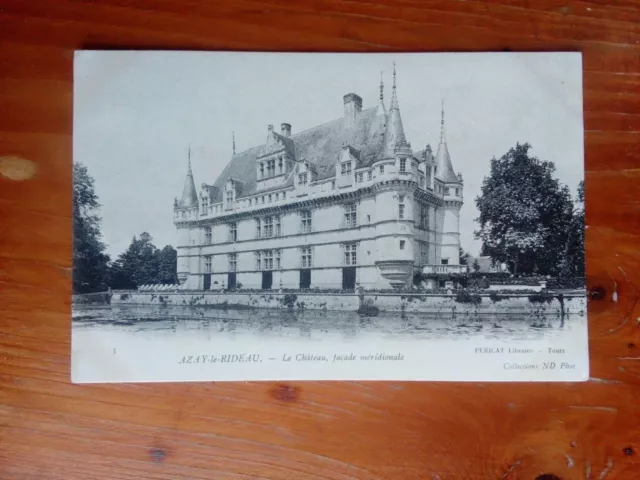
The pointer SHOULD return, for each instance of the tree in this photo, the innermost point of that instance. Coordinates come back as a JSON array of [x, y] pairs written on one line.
[[89, 260], [524, 213], [573, 262], [144, 264], [464, 257], [476, 266], [167, 265]]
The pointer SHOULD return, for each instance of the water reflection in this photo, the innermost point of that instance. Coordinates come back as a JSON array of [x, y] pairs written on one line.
[[316, 324]]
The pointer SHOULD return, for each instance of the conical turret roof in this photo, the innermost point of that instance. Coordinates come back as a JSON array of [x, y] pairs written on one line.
[[189, 196], [394, 132], [444, 167]]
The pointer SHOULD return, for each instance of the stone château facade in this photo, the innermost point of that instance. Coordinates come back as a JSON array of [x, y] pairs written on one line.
[[345, 204]]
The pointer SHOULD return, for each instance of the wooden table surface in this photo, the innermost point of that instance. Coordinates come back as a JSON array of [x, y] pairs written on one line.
[[50, 429]]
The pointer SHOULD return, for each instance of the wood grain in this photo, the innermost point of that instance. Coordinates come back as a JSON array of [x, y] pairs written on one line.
[[50, 429]]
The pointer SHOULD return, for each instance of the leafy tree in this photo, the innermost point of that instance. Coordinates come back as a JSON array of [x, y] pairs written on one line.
[[464, 257], [89, 259], [524, 213], [476, 266], [573, 262], [144, 264], [167, 265]]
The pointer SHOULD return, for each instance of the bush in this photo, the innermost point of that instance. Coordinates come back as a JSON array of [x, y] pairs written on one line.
[[542, 297], [562, 283], [464, 296], [289, 300], [495, 297]]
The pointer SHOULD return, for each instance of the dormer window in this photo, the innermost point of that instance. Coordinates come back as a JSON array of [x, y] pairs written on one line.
[[346, 168], [403, 165], [381, 169], [369, 175], [302, 179], [229, 196], [205, 205], [271, 168], [280, 166], [261, 170]]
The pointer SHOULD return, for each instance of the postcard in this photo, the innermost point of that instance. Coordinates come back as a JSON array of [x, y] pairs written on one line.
[[290, 216]]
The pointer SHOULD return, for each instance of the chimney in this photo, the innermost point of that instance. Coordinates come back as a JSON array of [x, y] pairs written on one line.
[[352, 107], [285, 129]]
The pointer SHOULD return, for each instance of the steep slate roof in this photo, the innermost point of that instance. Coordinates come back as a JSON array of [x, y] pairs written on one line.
[[189, 196], [320, 145], [444, 168]]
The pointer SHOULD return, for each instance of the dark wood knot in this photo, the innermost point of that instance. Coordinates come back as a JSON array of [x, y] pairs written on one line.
[[548, 476], [597, 293], [285, 393], [628, 451], [158, 455]]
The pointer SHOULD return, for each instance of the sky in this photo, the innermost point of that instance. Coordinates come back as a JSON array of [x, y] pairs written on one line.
[[136, 115]]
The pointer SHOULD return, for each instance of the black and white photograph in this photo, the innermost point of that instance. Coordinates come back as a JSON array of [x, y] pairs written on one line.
[[247, 216]]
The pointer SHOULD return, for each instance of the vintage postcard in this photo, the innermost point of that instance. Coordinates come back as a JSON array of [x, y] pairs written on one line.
[[288, 216]]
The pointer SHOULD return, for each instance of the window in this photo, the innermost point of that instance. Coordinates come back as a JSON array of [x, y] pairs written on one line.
[[262, 199], [333, 184], [277, 197], [381, 169], [280, 165], [268, 227], [205, 205], [369, 175], [306, 257], [305, 219], [350, 215], [249, 202], [271, 168], [268, 260], [258, 261], [302, 179], [278, 259], [424, 217], [233, 262], [208, 237], [444, 261], [233, 232], [447, 191], [457, 191], [229, 196], [261, 170], [360, 177], [278, 226], [207, 264], [402, 242], [350, 254], [284, 195], [258, 228], [346, 168], [403, 165], [270, 197], [400, 207], [422, 182]]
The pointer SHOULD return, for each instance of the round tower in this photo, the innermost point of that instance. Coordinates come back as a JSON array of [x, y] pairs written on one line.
[[449, 226], [185, 211], [395, 255]]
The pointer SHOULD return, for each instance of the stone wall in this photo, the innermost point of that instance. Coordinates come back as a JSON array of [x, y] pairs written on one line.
[[389, 302]]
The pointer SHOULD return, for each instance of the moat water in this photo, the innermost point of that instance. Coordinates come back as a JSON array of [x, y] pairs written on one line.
[[314, 325]]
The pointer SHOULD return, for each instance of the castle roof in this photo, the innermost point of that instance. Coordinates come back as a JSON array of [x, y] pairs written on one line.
[[319, 145], [189, 196], [444, 167]]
